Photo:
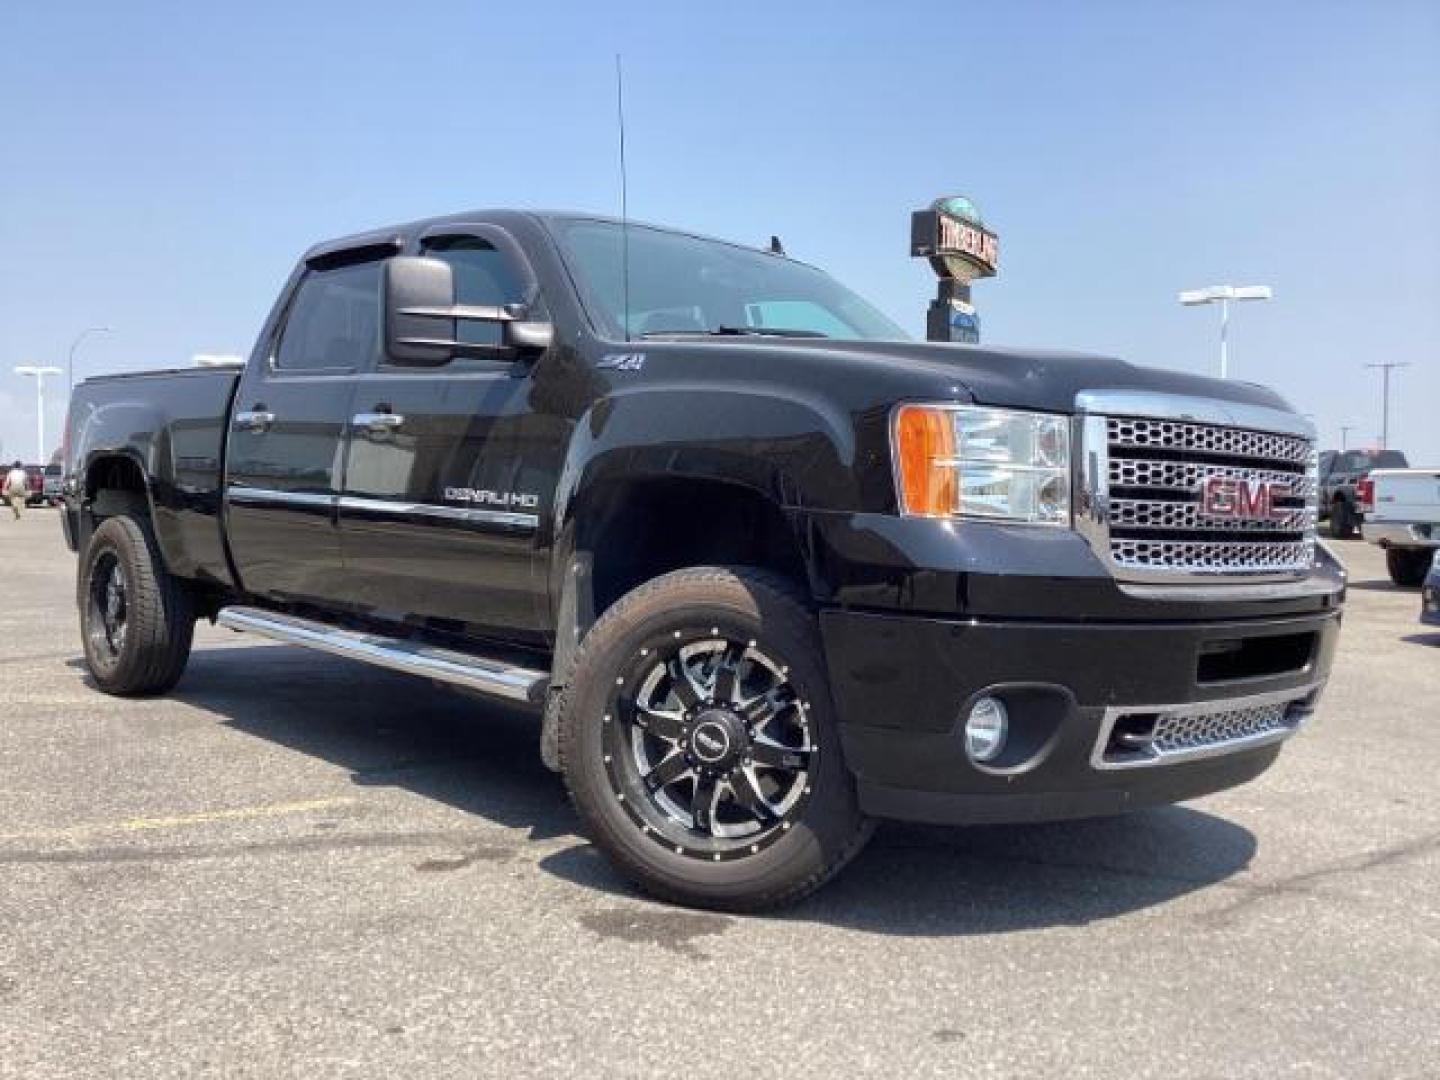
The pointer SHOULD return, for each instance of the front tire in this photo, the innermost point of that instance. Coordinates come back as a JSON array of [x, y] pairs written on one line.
[[699, 744], [1408, 566], [136, 620]]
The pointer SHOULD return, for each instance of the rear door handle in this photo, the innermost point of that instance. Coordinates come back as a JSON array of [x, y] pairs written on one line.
[[377, 422], [255, 419]]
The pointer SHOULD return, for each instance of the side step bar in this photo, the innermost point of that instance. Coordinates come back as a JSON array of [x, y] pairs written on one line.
[[493, 677]]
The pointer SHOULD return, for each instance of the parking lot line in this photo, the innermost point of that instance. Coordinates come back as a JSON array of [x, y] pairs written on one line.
[[180, 821]]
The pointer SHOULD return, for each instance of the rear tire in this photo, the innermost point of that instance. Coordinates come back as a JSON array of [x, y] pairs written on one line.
[[1408, 566], [1342, 520], [709, 682], [137, 621]]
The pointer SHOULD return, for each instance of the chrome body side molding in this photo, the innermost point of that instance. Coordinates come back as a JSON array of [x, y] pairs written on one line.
[[507, 519]]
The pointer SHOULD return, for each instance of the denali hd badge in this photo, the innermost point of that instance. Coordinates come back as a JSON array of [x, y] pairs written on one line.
[[481, 497], [1240, 499]]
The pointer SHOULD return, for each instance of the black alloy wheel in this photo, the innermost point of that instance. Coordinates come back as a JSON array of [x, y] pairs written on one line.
[[710, 745], [698, 740]]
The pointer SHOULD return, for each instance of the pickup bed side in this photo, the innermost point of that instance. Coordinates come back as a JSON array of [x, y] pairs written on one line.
[[155, 440]]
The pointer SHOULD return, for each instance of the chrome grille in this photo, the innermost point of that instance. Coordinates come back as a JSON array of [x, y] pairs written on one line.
[[1210, 556], [1178, 733], [1168, 514], [1141, 502], [1133, 736], [1208, 439]]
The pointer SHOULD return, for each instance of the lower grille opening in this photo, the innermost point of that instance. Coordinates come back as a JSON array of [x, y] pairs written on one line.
[[1253, 657], [1150, 737]]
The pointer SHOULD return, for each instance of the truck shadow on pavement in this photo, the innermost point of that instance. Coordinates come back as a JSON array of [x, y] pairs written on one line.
[[396, 731]]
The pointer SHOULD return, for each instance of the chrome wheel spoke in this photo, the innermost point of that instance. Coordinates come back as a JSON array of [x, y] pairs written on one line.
[[667, 772], [727, 674], [773, 755], [682, 685], [660, 723], [702, 807], [748, 795]]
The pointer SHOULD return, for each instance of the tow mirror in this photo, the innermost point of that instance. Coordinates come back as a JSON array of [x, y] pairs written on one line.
[[422, 318]]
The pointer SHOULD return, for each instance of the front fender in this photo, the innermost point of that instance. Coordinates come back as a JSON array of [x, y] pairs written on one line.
[[796, 450]]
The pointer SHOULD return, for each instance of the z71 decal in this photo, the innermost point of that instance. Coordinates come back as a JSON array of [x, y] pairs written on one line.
[[625, 361]]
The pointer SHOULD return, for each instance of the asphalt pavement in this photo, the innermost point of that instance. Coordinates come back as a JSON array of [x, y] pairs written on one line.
[[298, 866]]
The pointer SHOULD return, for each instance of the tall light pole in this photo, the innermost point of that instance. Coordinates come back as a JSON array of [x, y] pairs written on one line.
[[1222, 295], [39, 373], [70, 363], [1345, 430], [1385, 369]]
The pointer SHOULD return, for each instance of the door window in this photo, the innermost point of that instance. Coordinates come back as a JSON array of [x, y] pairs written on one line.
[[334, 321]]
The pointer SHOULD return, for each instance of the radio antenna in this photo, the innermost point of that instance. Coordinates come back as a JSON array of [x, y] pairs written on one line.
[[624, 192]]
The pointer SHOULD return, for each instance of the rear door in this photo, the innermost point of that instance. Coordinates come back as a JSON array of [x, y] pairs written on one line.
[[286, 441], [451, 469]]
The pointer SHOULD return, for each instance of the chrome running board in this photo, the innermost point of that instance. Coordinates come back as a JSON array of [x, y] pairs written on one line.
[[493, 677]]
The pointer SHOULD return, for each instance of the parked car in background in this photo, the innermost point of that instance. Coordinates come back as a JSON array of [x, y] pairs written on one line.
[[36, 475], [1340, 472], [52, 485], [1402, 515], [1430, 593]]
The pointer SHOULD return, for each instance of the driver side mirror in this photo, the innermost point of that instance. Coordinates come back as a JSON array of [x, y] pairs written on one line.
[[422, 318]]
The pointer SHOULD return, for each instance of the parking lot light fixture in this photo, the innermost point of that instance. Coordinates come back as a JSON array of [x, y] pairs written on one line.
[[1222, 295], [38, 374]]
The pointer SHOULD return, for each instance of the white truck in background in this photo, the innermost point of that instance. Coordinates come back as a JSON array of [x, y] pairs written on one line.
[[1402, 515]]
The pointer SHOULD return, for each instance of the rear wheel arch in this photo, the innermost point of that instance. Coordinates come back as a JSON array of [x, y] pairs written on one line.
[[116, 484]]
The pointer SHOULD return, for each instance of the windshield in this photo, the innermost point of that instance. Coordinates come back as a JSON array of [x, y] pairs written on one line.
[[687, 285]]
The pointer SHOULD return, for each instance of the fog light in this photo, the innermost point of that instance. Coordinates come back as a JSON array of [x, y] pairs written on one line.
[[985, 729]]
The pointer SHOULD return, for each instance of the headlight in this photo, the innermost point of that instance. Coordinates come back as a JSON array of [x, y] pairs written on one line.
[[992, 464]]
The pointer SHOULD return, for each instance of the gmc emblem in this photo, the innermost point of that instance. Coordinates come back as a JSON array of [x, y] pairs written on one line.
[[1235, 497]]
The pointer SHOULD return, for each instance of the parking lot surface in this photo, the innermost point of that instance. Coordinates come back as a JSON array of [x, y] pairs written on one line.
[[298, 866]]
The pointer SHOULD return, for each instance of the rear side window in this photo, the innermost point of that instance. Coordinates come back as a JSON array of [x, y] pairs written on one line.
[[1391, 459], [334, 321], [483, 278]]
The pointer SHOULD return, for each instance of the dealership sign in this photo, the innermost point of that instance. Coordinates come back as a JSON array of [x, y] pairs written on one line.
[[951, 235]]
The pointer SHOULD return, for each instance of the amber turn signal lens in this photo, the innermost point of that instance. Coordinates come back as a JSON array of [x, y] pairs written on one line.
[[925, 453]]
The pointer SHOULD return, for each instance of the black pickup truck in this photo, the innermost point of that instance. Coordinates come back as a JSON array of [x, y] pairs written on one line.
[[765, 569]]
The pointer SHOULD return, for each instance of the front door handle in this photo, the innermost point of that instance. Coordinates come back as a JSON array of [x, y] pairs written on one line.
[[257, 419], [377, 423]]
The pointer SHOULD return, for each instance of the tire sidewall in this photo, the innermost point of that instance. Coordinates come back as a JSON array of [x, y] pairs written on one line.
[[158, 619], [108, 539], [829, 819]]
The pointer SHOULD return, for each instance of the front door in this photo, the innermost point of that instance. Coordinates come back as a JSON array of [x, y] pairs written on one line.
[[286, 443], [451, 471]]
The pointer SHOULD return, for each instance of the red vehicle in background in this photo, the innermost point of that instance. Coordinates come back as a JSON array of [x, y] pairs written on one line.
[[36, 475]]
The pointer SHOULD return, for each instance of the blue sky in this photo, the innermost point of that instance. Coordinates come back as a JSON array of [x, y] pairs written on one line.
[[161, 165]]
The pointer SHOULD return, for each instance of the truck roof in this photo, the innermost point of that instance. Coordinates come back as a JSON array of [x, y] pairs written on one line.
[[396, 235]]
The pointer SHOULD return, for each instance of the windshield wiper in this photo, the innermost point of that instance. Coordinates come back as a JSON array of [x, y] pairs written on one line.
[[737, 331]]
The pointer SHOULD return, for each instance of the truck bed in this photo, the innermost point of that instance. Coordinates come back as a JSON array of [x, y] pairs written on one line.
[[172, 423]]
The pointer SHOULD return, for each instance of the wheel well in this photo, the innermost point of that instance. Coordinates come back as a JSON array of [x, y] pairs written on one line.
[[115, 485], [649, 528]]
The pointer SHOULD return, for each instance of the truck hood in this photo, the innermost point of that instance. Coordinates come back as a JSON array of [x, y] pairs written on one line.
[[1041, 379]]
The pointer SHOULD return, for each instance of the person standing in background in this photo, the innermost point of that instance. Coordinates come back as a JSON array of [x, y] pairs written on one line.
[[17, 489]]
